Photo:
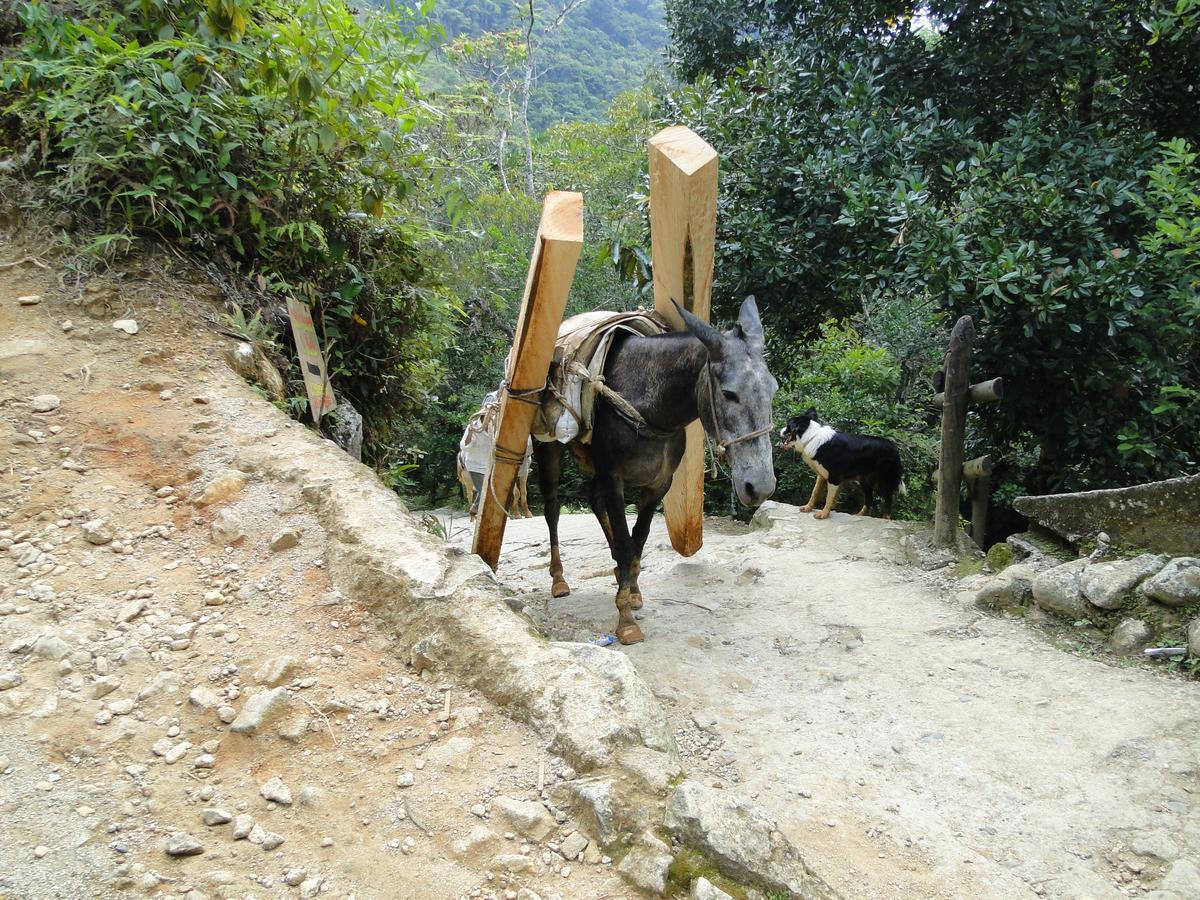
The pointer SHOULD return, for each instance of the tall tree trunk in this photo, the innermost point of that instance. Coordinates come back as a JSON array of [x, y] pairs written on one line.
[[526, 91]]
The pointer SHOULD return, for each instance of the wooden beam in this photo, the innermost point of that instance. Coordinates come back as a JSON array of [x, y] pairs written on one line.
[[981, 392], [551, 270], [954, 420], [683, 227]]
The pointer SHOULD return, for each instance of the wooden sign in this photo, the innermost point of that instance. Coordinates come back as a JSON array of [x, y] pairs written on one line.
[[551, 271], [312, 361], [683, 226]]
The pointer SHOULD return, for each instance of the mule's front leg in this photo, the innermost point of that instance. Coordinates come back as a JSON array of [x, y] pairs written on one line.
[[647, 504], [611, 492]]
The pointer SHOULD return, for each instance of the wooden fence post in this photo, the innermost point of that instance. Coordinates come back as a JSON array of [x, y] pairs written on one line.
[[683, 225], [551, 270]]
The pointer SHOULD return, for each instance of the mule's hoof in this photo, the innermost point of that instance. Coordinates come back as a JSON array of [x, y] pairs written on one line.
[[821, 514], [635, 601], [806, 508], [630, 634], [560, 589]]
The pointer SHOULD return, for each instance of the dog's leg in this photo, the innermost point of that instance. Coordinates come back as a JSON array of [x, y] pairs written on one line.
[[816, 492], [868, 487], [830, 496]]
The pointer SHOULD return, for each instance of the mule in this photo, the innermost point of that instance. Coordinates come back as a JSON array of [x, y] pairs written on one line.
[[670, 380]]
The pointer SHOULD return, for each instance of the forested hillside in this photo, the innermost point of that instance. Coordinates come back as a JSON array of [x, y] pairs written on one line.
[[1034, 167], [600, 48]]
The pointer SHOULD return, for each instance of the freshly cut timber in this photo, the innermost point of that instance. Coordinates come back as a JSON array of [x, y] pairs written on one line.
[[551, 270], [683, 224]]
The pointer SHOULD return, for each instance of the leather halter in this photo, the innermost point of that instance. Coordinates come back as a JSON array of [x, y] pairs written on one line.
[[722, 447]]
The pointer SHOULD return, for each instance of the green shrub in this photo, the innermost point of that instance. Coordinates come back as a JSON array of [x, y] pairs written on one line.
[[274, 138]]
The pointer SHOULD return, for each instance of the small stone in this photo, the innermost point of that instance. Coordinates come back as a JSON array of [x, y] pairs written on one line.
[[203, 697], [1059, 590], [311, 887], [166, 395], [703, 889], [271, 840], [216, 816], [29, 299], [478, 810], [40, 851], [573, 845], [226, 714], [51, 646], [275, 790], [10, 680], [43, 403], [175, 754], [261, 709], [405, 780], [98, 532], [1156, 844], [275, 670], [68, 325], [226, 528], [121, 707], [104, 717], [204, 761], [646, 864], [242, 826], [129, 326], [1177, 584], [285, 539], [293, 876], [181, 844], [222, 487]]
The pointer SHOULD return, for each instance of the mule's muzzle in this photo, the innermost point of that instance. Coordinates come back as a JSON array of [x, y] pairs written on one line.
[[755, 493]]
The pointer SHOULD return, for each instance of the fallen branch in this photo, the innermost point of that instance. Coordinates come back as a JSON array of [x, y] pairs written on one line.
[[325, 719], [22, 261]]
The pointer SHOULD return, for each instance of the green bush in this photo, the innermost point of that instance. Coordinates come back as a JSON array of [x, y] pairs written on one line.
[[274, 138]]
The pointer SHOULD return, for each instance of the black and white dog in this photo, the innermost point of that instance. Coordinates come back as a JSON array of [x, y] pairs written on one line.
[[873, 462]]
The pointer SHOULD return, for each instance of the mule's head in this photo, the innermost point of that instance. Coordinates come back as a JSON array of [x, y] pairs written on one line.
[[737, 399]]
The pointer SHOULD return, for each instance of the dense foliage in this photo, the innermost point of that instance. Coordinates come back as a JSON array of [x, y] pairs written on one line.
[[275, 138], [1007, 162]]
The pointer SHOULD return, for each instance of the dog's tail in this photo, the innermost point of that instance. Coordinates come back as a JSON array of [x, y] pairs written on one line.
[[903, 488]]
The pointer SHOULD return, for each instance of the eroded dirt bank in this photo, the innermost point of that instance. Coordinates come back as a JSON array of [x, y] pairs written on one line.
[[912, 745], [179, 673]]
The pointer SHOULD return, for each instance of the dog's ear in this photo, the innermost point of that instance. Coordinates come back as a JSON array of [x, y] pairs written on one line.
[[810, 413]]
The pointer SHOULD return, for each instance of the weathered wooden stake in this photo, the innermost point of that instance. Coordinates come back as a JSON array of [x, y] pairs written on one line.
[[954, 421], [683, 225], [551, 270]]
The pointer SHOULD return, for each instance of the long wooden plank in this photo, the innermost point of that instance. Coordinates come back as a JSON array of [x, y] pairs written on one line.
[[551, 270], [954, 426], [683, 226]]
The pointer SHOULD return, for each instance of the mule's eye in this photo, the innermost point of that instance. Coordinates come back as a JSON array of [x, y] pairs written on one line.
[[730, 396]]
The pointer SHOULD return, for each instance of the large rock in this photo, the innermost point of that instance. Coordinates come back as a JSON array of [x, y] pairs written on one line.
[[1012, 588], [703, 889], [740, 840], [346, 428], [261, 709], [1060, 590], [1106, 584], [1177, 584], [1183, 878], [1130, 636], [646, 864], [1163, 516]]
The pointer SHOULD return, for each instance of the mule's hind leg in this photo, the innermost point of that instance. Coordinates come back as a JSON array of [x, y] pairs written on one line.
[[549, 460]]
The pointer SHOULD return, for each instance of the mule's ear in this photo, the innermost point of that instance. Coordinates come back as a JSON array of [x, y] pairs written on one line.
[[709, 336], [751, 324]]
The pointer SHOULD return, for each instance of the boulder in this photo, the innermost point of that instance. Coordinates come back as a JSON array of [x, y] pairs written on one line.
[[740, 840], [1183, 878], [1106, 584], [646, 864], [1060, 590], [1012, 588], [1162, 516], [346, 428], [98, 532], [1176, 584], [227, 528], [1130, 636]]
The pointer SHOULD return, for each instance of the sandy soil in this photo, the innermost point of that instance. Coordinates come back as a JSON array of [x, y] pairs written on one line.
[[911, 745], [107, 749]]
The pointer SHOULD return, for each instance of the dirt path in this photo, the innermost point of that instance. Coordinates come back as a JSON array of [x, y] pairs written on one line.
[[127, 648], [911, 745]]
